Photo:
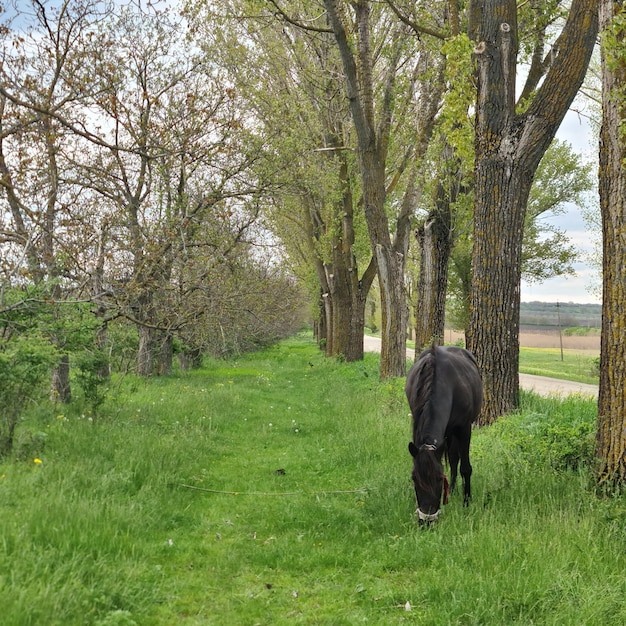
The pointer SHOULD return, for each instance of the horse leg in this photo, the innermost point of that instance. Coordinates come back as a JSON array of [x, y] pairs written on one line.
[[466, 468], [453, 459]]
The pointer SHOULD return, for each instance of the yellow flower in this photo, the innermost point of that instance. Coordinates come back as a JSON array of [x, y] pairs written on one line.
[[37, 461]]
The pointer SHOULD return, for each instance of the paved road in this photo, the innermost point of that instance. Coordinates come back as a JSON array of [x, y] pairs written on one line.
[[539, 384]]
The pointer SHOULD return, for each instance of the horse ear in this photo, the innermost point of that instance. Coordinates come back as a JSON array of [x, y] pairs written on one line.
[[412, 449]]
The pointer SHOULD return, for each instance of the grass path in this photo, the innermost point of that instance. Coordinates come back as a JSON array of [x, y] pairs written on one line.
[[275, 490]]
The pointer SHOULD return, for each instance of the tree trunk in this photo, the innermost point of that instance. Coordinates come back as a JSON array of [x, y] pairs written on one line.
[[509, 147], [494, 307], [611, 435], [328, 325], [390, 260], [102, 344], [394, 312], [343, 293], [434, 240], [190, 358], [145, 352], [165, 355], [60, 384], [321, 325], [372, 146]]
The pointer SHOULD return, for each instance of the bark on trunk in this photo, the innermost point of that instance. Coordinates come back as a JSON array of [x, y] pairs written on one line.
[[611, 434], [145, 352], [372, 145], [435, 243], [495, 302], [394, 312], [165, 356], [191, 358], [509, 147], [60, 384], [343, 293]]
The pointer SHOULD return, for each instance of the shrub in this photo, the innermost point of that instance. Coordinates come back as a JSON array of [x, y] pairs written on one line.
[[25, 363], [90, 366], [556, 431]]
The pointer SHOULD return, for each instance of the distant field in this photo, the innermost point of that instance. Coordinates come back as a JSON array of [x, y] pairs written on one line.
[[545, 339]]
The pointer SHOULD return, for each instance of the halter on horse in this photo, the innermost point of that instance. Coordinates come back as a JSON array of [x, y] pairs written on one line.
[[444, 390]]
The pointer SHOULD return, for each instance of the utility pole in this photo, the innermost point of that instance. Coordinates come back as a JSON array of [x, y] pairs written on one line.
[[558, 316]]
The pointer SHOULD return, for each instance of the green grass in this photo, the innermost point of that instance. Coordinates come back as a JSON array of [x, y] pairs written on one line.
[[577, 365], [275, 490]]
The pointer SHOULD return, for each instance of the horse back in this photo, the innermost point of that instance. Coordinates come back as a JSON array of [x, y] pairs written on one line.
[[458, 375], [453, 380]]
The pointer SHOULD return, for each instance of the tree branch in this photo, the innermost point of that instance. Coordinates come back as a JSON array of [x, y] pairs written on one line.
[[418, 29], [298, 24]]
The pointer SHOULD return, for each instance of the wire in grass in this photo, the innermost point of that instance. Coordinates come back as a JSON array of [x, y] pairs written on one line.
[[362, 490]]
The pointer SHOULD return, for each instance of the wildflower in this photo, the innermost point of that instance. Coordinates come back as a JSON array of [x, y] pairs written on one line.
[[37, 461]]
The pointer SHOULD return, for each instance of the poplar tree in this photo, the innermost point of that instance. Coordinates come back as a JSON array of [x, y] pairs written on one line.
[[611, 435], [511, 138]]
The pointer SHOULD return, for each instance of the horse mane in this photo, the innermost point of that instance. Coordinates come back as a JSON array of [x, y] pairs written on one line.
[[426, 467], [423, 392], [426, 471]]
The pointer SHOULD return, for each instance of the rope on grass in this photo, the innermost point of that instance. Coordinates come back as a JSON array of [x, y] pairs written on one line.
[[362, 490]]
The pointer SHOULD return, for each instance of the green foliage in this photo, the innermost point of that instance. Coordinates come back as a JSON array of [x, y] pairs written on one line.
[[25, 363], [551, 432], [614, 47], [35, 331], [92, 367], [275, 488], [581, 331], [561, 178], [123, 343], [455, 122]]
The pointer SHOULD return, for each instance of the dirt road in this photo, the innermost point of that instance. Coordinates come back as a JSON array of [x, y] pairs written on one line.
[[539, 384]]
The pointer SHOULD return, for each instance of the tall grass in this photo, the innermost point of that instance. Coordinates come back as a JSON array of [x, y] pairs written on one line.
[[275, 489]]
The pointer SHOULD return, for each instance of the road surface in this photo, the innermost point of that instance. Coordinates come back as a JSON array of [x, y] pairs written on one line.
[[539, 384]]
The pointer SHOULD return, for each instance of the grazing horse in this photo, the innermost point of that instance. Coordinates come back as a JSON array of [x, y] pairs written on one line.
[[445, 393]]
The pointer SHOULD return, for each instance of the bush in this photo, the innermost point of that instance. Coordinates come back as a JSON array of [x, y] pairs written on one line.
[[556, 431], [90, 366], [25, 364]]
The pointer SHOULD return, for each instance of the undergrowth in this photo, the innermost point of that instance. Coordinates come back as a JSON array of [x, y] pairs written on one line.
[[275, 489]]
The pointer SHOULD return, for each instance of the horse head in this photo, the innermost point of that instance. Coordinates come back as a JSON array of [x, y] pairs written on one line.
[[429, 480]]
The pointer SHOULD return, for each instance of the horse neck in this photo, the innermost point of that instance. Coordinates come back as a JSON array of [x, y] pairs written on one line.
[[431, 426]]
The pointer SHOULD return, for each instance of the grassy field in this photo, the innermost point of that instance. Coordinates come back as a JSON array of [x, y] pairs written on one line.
[[275, 490], [578, 365], [538, 356]]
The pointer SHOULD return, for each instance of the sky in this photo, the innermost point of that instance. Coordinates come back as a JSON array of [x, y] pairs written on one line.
[[585, 286]]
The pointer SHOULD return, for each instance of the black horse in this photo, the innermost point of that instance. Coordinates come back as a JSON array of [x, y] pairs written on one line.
[[445, 393]]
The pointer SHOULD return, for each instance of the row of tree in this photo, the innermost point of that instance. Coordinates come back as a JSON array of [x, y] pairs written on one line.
[[132, 183], [177, 168]]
